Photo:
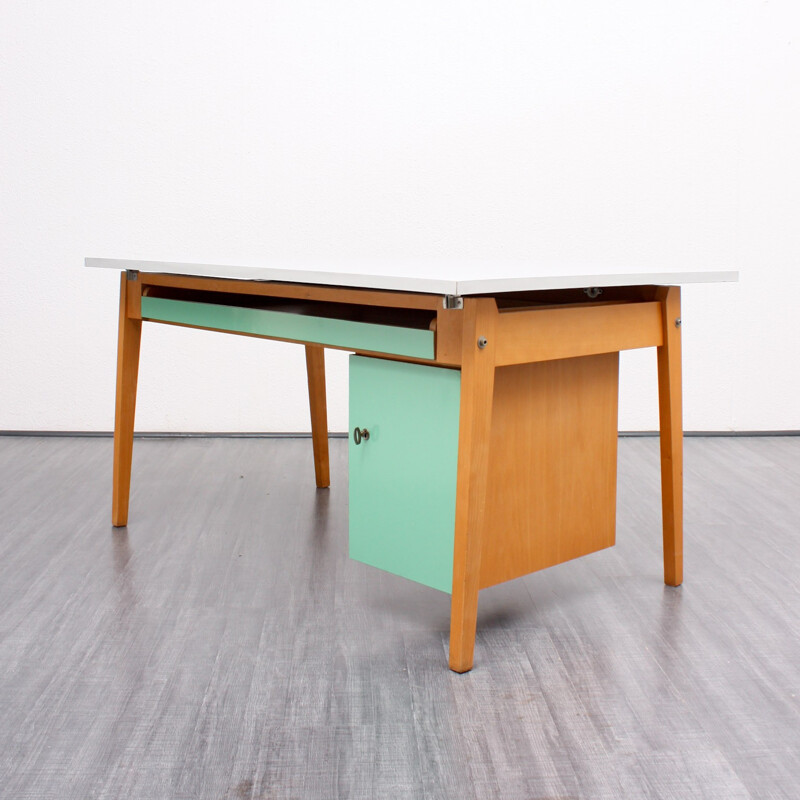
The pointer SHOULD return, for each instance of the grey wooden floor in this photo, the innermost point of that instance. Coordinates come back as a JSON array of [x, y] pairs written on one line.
[[223, 646]]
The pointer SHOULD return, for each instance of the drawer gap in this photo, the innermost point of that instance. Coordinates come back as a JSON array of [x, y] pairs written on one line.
[[418, 319]]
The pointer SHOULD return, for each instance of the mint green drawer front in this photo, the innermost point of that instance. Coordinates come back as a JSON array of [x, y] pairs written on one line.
[[403, 478], [283, 325]]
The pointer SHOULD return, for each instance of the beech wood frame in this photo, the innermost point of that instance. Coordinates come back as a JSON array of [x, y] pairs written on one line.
[[486, 334]]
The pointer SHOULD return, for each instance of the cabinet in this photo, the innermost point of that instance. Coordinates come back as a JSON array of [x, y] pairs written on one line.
[[403, 471]]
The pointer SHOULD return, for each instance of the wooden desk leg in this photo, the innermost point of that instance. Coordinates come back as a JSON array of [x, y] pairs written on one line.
[[129, 338], [315, 365], [671, 425], [475, 422]]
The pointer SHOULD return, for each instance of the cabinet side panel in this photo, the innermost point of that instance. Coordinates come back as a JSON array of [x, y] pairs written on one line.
[[403, 477], [552, 465]]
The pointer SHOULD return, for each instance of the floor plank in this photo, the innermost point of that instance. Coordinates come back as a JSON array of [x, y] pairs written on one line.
[[224, 646]]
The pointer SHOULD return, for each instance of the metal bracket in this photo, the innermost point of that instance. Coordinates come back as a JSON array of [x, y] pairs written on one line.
[[453, 301], [592, 292], [132, 274]]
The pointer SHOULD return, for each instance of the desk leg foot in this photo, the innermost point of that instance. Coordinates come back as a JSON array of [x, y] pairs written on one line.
[[671, 427], [128, 341], [315, 366], [475, 426], [463, 624]]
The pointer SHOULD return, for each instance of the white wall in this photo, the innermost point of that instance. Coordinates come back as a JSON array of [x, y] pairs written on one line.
[[225, 131]]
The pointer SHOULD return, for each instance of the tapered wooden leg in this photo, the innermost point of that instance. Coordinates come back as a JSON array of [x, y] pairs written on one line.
[[671, 425], [477, 386], [315, 365], [129, 338]]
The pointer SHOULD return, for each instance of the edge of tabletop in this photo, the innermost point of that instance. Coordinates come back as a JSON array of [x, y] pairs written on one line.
[[501, 285], [421, 284], [269, 274]]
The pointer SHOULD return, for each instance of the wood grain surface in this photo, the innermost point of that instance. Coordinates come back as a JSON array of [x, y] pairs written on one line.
[[551, 493], [129, 339], [223, 646], [318, 409], [474, 437]]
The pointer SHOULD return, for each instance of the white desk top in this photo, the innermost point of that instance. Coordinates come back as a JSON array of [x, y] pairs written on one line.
[[433, 277]]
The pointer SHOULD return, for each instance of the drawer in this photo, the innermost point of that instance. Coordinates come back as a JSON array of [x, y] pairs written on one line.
[[403, 477], [402, 332]]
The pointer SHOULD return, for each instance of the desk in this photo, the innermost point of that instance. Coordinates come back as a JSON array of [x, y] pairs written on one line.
[[483, 403]]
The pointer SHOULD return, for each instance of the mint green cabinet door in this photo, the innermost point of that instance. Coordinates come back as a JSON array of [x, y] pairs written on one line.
[[403, 477]]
